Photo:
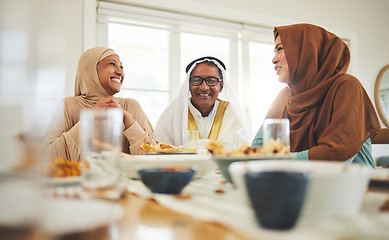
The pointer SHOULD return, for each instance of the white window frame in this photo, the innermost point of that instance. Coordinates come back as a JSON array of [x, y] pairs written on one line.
[[175, 23], [211, 12], [178, 17]]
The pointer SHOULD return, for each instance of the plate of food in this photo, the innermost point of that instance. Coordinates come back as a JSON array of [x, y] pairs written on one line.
[[61, 172], [256, 157], [273, 150], [224, 158], [175, 153], [162, 148]]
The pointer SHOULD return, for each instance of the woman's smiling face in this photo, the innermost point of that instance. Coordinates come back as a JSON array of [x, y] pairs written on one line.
[[280, 62], [111, 75]]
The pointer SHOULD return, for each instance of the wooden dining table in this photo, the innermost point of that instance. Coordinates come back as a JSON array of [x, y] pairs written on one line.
[[145, 218]]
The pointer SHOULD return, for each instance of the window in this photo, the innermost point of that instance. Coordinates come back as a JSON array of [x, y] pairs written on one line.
[[145, 57], [194, 46], [155, 48]]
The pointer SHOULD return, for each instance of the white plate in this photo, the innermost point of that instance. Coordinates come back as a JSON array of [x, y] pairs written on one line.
[[18, 203], [380, 174], [64, 216], [203, 162], [179, 153], [256, 157], [62, 181]]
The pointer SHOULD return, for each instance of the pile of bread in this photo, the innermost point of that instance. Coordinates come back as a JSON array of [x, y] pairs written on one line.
[[215, 148], [160, 148], [270, 148]]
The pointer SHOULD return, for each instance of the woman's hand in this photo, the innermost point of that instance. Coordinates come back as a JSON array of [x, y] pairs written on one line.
[[107, 102], [128, 119], [110, 102]]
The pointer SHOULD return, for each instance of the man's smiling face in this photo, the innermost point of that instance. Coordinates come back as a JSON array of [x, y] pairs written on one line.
[[204, 96]]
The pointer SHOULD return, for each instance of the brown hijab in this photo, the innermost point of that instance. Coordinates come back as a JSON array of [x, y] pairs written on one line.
[[330, 113]]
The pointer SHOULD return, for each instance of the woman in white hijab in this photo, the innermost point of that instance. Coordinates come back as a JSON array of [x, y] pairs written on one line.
[[174, 120], [99, 77]]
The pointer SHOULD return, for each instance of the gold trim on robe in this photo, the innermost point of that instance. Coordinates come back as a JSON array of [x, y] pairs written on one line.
[[217, 122]]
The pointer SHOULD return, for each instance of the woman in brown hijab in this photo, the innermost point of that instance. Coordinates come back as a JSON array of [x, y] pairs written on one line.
[[99, 76], [331, 116]]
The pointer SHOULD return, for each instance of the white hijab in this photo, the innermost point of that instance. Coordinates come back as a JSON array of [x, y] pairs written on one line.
[[178, 109]]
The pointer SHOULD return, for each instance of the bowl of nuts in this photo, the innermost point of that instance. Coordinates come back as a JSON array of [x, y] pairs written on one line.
[[167, 180]]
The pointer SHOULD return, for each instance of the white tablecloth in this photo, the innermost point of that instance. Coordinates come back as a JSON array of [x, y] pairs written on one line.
[[232, 210]]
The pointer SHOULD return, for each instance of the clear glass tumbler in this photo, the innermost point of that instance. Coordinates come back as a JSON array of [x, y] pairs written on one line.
[[276, 129], [191, 138], [101, 142]]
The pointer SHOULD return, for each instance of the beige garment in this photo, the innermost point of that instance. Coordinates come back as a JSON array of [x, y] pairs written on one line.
[[62, 137]]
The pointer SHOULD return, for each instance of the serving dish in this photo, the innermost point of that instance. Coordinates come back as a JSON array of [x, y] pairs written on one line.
[[224, 162], [129, 163], [167, 180], [336, 189]]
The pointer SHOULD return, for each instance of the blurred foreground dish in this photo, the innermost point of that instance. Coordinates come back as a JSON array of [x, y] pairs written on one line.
[[336, 189], [277, 197], [62, 168]]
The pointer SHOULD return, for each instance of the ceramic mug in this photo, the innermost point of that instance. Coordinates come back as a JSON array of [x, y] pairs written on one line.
[[277, 197]]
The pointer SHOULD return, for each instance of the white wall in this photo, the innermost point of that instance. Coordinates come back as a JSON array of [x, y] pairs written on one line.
[[40, 43], [54, 36], [48, 35]]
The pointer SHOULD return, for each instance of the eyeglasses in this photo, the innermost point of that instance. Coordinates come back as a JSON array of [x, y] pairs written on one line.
[[211, 81]]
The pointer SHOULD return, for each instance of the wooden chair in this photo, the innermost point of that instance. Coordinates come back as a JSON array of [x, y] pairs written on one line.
[[382, 137]]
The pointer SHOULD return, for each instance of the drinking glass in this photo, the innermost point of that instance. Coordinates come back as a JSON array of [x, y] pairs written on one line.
[[276, 129], [101, 141], [191, 140]]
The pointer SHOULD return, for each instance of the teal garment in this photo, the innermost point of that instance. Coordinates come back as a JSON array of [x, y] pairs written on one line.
[[364, 156], [258, 139]]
